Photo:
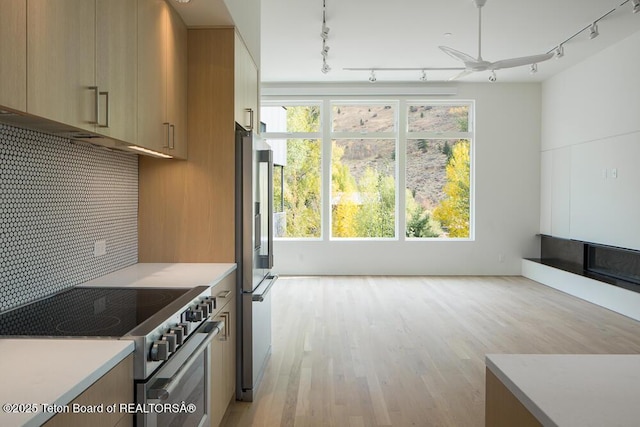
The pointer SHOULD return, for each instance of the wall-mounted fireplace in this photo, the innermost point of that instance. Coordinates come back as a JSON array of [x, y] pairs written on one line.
[[623, 264], [616, 266]]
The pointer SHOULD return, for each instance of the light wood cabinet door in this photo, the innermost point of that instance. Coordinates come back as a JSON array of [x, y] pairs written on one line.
[[230, 351], [152, 75], [177, 85], [217, 379], [13, 51], [114, 387], [116, 67], [162, 79], [61, 58], [246, 87]]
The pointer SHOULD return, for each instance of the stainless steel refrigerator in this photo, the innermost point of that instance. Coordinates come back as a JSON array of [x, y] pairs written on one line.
[[254, 255]]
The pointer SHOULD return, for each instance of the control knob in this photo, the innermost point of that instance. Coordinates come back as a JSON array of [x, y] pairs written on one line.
[[172, 341], [159, 351], [185, 328], [194, 315], [179, 333], [204, 307], [211, 302]]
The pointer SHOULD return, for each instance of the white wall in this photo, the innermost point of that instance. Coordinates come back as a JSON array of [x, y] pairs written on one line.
[[590, 149], [507, 190]]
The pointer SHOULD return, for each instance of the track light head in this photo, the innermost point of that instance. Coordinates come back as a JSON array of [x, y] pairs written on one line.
[[559, 53], [593, 31], [533, 69], [325, 68], [423, 76], [372, 77], [636, 6], [325, 32], [493, 77]]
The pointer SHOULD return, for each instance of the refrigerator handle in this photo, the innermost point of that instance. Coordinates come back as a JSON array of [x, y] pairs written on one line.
[[260, 294], [266, 261]]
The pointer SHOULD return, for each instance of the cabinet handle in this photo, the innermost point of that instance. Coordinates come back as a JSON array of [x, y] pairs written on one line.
[[250, 124], [224, 294], [172, 144], [225, 317], [168, 125], [96, 106], [106, 123]]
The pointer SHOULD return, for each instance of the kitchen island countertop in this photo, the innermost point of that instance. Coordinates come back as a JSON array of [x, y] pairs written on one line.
[[569, 390]]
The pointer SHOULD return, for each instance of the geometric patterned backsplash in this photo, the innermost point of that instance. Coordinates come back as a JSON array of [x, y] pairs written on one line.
[[57, 198]]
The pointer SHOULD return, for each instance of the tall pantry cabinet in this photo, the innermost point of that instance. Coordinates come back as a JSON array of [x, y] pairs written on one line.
[[187, 209]]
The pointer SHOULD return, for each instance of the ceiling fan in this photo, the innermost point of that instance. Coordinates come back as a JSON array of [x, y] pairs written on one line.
[[472, 65]]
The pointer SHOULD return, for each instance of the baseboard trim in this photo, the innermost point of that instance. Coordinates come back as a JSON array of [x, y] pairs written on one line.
[[608, 296]]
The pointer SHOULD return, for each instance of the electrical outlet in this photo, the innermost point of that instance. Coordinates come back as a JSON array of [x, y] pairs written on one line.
[[99, 248]]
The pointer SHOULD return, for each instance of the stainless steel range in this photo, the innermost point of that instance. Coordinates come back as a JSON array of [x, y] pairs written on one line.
[[170, 327]]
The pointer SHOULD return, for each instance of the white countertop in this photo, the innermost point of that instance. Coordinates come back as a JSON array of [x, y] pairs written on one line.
[[569, 390], [52, 371], [178, 275]]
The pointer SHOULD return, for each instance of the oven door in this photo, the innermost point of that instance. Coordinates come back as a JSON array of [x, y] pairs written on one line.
[[178, 394]]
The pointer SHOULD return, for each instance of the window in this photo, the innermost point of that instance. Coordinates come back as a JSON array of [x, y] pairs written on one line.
[[363, 170], [361, 156], [296, 146], [438, 171]]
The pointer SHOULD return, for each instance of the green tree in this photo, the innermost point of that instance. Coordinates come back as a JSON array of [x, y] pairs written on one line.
[[453, 211], [376, 216], [419, 222], [302, 175]]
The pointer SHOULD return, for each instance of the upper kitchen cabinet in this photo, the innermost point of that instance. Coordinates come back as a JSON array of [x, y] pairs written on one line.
[[162, 79], [82, 64], [116, 65], [61, 57], [13, 51], [246, 87]]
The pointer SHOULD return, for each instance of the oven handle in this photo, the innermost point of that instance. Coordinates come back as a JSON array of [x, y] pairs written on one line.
[[163, 393]]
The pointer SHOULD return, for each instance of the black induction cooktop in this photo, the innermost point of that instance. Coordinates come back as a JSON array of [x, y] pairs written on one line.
[[87, 312]]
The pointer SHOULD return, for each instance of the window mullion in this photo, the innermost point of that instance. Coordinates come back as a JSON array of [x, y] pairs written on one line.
[[401, 169], [326, 139]]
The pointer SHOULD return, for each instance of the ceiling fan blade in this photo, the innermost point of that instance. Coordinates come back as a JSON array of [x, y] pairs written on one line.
[[518, 62], [461, 75], [456, 54]]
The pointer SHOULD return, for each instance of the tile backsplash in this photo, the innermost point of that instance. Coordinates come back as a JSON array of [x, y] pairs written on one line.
[[57, 198]]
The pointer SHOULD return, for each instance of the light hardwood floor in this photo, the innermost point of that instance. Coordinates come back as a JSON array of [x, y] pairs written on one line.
[[409, 351]]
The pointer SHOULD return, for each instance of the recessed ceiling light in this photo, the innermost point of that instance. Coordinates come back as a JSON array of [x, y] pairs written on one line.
[[447, 34]]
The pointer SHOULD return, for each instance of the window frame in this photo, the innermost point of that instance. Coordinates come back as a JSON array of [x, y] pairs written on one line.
[[401, 135]]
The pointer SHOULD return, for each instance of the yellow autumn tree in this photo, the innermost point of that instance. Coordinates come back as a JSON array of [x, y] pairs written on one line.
[[343, 189], [453, 211]]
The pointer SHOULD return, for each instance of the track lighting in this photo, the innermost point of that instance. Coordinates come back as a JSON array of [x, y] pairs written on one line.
[[493, 77], [636, 6], [593, 31], [372, 77], [533, 69], [560, 50], [423, 76], [324, 35], [325, 32]]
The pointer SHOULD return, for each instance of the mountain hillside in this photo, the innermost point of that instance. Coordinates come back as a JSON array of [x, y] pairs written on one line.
[[426, 159]]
